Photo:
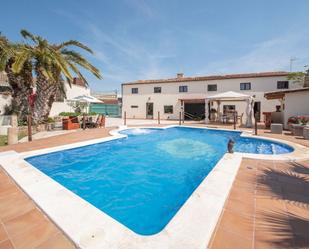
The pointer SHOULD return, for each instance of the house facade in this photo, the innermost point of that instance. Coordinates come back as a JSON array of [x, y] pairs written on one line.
[[146, 99], [5, 93], [296, 102], [76, 89]]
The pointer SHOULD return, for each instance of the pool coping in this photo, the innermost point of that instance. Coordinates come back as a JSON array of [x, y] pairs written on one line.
[[89, 227]]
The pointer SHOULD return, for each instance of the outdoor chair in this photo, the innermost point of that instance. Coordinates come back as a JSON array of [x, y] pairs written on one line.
[[100, 122], [70, 123], [239, 118]]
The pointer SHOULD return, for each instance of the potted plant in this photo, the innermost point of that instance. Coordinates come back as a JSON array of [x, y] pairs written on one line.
[[50, 123], [292, 120], [305, 122]]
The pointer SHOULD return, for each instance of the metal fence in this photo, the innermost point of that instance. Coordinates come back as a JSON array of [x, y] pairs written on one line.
[[111, 110]]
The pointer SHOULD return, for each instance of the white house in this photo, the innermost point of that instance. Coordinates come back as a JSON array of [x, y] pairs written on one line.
[[295, 102], [77, 88], [146, 98], [5, 94]]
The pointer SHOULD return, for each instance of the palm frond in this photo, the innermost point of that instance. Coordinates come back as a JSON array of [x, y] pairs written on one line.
[[77, 72], [26, 34], [20, 59], [81, 61], [74, 43], [60, 62]]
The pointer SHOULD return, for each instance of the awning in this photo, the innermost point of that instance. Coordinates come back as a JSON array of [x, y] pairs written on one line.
[[280, 94]]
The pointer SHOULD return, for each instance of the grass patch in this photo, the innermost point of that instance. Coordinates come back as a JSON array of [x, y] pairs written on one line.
[[3, 140]]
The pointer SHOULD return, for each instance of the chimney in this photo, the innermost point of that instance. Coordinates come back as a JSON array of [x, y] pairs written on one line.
[[179, 75], [78, 82]]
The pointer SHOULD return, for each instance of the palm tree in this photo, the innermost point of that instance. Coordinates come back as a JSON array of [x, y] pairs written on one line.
[[51, 64], [20, 82]]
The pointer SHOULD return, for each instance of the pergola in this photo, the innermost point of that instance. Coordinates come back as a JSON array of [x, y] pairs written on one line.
[[231, 96]]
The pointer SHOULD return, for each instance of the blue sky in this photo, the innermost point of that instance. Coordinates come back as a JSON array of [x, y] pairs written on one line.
[[141, 39]]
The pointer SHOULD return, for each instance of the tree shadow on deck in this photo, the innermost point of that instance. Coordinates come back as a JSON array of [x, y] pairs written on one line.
[[285, 230], [289, 228]]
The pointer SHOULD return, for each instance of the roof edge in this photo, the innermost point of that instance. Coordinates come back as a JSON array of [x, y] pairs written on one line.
[[268, 94], [210, 77]]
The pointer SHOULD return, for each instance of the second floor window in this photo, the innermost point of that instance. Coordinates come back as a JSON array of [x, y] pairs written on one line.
[[212, 87], [282, 85], [183, 89], [134, 90], [245, 86], [157, 89]]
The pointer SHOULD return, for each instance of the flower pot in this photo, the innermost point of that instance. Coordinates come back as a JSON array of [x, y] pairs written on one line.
[[298, 129]]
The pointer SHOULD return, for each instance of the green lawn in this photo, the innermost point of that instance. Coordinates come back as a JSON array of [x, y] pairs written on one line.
[[3, 140]]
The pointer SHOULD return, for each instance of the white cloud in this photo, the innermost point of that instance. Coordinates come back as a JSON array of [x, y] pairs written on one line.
[[141, 6], [270, 55]]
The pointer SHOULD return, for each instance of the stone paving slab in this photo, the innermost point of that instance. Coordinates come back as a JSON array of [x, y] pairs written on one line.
[[22, 224], [268, 207]]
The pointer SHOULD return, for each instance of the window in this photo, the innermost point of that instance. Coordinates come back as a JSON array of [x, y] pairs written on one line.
[[282, 85], [157, 89], [134, 90], [183, 89], [168, 109], [228, 108], [134, 106], [245, 86], [212, 87]]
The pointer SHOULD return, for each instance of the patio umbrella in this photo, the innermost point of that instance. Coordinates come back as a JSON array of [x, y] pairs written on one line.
[[85, 99]]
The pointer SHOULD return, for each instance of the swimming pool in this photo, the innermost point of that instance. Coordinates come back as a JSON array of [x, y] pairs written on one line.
[[144, 179]]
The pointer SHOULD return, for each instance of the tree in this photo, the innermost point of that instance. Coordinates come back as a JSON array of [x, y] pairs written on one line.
[[300, 77], [20, 82], [51, 63]]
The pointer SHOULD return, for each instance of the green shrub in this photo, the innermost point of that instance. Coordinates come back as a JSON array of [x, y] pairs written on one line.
[[50, 120], [69, 114], [22, 122]]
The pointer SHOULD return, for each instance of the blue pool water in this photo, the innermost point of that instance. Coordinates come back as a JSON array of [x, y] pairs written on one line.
[[143, 180]]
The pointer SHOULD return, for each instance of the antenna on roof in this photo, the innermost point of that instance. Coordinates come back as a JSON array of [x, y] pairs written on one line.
[[292, 59]]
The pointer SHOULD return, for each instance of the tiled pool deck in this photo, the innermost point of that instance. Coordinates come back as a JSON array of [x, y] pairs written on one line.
[[268, 206]]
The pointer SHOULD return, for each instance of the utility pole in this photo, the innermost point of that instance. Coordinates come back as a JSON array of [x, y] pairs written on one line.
[[292, 59]]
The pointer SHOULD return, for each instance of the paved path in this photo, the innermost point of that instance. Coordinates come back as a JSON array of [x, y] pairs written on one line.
[[45, 134], [77, 136], [22, 224], [268, 207]]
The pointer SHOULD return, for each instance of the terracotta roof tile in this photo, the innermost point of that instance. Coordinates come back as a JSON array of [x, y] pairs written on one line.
[[210, 77]]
